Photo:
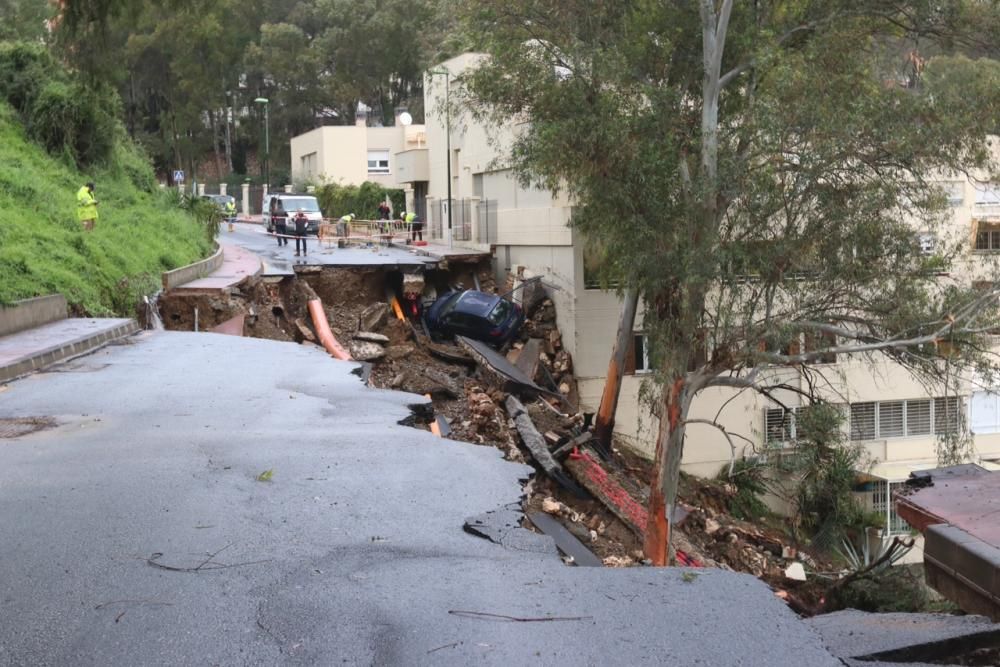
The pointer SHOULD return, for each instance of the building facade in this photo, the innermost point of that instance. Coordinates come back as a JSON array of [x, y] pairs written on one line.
[[898, 420], [353, 154]]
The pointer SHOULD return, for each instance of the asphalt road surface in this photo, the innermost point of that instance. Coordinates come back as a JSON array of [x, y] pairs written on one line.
[[138, 531]]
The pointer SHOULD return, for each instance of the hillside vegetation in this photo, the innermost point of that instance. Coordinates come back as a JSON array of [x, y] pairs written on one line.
[[43, 249]]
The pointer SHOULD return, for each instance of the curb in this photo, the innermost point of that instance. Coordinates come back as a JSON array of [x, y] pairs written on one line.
[[48, 356], [200, 269]]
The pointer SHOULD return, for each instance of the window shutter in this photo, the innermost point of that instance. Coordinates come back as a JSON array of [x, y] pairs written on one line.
[[630, 357]]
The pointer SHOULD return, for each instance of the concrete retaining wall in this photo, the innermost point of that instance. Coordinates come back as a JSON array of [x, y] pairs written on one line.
[[186, 274], [31, 313]]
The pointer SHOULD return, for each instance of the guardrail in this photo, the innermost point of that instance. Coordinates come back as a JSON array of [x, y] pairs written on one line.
[[31, 313], [186, 274]]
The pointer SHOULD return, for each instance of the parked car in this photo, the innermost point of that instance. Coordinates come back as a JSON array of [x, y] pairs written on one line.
[[221, 201], [283, 205], [477, 315]]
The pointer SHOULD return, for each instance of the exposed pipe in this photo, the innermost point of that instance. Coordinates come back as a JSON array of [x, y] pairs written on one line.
[[323, 331]]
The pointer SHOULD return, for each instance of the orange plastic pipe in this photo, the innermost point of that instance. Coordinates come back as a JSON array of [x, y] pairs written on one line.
[[397, 309], [324, 333], [435, 429]]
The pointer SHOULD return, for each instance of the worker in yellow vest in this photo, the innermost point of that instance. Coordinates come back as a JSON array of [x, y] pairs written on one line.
[[86, 206], [416, 227]]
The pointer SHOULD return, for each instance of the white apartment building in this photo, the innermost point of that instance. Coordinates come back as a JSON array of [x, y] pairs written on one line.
[[896, 418]]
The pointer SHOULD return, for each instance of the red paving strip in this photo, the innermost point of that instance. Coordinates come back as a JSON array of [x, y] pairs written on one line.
[[237, 265], [33, 349], [231, 327]]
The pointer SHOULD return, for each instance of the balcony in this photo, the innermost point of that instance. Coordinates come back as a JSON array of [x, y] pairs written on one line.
[[412, 166]]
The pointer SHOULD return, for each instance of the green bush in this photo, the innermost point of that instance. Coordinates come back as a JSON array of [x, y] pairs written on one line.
[[337, 200], [750, 479], [65, 116]]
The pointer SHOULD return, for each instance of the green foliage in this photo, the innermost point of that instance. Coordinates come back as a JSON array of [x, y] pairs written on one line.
[[749, 476], [61, 113], [825, 467], [43, 249], [336, 200], [206, 212], [894, 589]]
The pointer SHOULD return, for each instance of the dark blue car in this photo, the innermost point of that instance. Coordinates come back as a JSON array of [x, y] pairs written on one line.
[[476, 315]]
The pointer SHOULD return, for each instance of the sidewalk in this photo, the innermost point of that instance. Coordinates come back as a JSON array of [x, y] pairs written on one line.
[[237, 265], [36, 348]]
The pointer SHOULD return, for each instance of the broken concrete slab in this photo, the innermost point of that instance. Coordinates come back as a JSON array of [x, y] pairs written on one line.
[[566, 542], [371, 337], [609, 490], [507, 376], [363, 351], [528, 358], [902, 638], [535, 443], [503, 526], [373, 317]]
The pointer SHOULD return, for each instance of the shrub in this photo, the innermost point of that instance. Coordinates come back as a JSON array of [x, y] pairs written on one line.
[[749, 478], [337, 200]]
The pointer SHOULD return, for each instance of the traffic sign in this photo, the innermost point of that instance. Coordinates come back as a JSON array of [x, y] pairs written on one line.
[[178, 176]]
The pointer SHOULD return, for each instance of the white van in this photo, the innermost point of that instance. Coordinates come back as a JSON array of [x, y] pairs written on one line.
[[284, 206]]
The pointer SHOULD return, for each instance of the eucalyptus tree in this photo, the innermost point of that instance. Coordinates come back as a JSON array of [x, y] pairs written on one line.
[[756, 172]]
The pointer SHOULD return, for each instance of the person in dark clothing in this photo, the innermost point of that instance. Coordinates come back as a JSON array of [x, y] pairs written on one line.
[[280, 219], [416, 226], [383, 211], [301, 223]]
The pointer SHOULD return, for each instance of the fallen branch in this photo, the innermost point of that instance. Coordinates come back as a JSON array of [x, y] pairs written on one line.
[[515, 619]]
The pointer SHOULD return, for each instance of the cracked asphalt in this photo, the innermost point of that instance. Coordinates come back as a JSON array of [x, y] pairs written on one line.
[[136, 532]]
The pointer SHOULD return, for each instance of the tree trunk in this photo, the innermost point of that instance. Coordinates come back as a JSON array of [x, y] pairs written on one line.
[[213, 118], [666, 468], [605, 425], [229, 138]]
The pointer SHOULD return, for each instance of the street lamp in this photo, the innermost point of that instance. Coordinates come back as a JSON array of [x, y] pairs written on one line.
[[267, 143], [447, 111]]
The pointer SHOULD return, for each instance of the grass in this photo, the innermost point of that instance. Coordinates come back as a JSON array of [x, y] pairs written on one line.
[[141, 231]]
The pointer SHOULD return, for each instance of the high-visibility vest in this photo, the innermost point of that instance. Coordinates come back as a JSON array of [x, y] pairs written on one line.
[[410, 217], [86, 205]]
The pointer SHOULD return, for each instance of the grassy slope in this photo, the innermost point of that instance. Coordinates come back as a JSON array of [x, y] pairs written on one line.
[[43, 248]]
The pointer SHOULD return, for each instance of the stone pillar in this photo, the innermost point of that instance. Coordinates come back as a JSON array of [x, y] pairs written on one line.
[[409, 199], [245, 187], [474, 219], [288, 189], [222, 188], [429, 225], [201, 189]]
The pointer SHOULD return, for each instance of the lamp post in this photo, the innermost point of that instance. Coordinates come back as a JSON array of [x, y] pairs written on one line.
[[447, 111], [267, 143]]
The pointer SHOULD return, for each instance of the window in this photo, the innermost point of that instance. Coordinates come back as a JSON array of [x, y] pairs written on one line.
[[955, 192], [897, 419], [638, 357], [927, 242], [987, 237], [863, 421], [780, 426], [308, 164], [987, 194], [378, 162], [984, 412], [814, 342], [947, 414]]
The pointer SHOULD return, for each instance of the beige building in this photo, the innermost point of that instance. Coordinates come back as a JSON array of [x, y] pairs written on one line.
[[353, 154], [896, 419]]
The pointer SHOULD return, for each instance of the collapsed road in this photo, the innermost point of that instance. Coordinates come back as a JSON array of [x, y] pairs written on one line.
[[209, 499]]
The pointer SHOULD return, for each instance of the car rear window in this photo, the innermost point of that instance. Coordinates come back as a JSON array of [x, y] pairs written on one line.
[[308, 204], [500, 312]]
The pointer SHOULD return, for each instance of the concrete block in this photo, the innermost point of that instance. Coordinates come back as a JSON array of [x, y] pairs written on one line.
[[31, 313]]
